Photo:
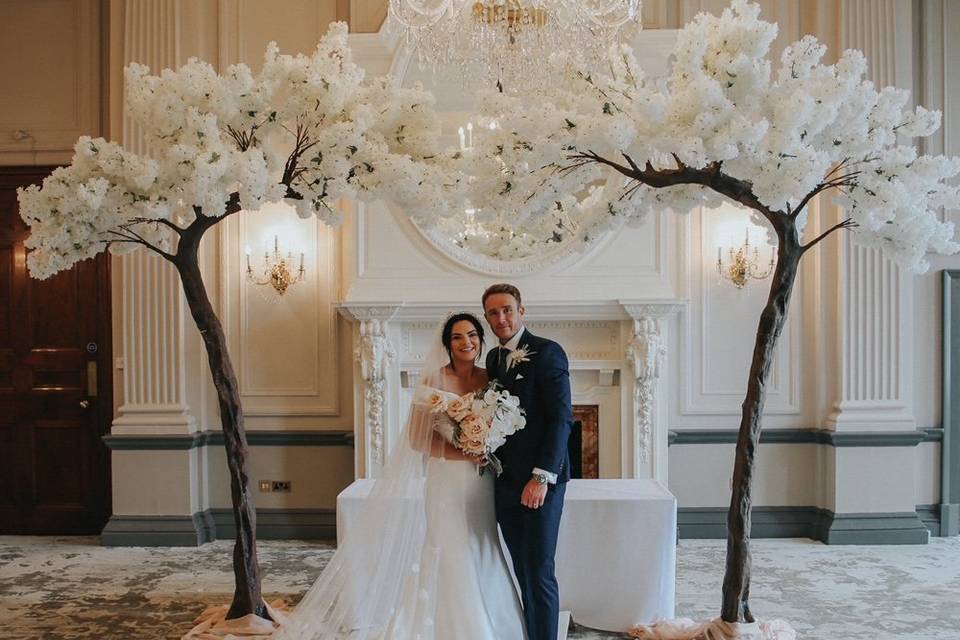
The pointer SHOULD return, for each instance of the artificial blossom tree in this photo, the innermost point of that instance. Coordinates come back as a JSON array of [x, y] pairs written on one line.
[[305, 129], [724, 125]]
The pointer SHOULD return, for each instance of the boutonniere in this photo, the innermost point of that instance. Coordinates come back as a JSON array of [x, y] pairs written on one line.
[[518, 356]]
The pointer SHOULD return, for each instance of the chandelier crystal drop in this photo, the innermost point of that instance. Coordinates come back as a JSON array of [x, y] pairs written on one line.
[[505, 43]]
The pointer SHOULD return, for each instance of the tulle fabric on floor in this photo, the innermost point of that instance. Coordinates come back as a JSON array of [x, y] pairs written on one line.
[[213, 625], [687, 629]]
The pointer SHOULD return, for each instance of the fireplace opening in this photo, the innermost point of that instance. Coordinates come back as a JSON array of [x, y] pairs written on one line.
[[584, 442]]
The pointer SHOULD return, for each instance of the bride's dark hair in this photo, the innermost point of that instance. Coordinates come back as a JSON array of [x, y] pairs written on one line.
[[447, 336]]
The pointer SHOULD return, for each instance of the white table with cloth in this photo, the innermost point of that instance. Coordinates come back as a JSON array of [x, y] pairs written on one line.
[[616, 554]]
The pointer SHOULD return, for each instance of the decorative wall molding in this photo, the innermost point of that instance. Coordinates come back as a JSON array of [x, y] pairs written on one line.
[[58, 105], [260, 438], [645, 353], [584, 340], [808, 436], [709, 352], [374, 353], [312, 321]]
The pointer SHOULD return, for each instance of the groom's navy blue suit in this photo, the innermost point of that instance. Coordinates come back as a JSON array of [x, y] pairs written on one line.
[[543, 386]]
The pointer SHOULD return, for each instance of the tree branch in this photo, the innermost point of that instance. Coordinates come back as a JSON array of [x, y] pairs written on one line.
[[845, 180], [846, 224], [167, 223], [710, 176], [137, 239]]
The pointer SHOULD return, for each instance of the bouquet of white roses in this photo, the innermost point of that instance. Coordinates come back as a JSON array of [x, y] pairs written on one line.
[[483, 419]]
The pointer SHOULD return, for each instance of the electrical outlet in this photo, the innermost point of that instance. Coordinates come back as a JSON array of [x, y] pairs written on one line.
[[281, 486], [266, 486]]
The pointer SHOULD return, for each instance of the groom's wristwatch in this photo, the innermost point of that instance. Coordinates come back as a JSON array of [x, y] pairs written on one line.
[[541, 478]]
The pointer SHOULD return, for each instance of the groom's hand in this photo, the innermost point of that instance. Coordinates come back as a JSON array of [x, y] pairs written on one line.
[[533, 494]]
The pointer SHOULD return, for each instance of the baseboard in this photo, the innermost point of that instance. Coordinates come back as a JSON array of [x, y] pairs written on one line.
[[808, 522], [158, 531], [282, 524], [876, 528], [217, 524], [929, 514], [766, 522]]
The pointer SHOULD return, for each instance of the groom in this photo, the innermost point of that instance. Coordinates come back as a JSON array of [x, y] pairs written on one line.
[[536, 466]]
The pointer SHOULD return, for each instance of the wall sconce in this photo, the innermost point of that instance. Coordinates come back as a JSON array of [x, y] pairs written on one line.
[[276, 269], [744, 263]]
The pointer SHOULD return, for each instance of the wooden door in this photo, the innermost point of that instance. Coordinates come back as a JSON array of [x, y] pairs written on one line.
[[55, 384]]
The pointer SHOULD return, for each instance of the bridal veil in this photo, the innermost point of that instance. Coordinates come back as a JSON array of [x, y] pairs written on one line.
[[380, 583]]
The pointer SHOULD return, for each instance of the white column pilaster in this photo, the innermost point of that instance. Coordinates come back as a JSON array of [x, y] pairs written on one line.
[[873, 389], [875, 359], [646, 354], [375, 360], [153, 308]]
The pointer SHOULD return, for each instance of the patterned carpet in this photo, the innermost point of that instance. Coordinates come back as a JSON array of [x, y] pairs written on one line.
[[71, 588]]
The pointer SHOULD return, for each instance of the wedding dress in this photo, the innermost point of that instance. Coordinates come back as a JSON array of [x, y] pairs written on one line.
[[423, 559], [470, 587]]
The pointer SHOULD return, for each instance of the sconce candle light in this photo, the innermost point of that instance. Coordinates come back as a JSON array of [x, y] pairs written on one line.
[[744, 264], [276, 269]]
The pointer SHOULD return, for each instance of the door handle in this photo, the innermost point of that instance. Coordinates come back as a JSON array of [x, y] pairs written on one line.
[[91, 379]]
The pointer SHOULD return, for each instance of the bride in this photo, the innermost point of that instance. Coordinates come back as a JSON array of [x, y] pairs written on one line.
[[423, 560]]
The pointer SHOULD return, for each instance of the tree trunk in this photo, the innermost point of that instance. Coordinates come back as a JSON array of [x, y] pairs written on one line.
[[736, 580], [247, 597]]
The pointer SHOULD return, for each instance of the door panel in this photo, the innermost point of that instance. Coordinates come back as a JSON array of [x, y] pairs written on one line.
[[54, 467]]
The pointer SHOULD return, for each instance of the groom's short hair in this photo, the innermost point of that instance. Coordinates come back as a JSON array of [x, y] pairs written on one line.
[[501, 288]]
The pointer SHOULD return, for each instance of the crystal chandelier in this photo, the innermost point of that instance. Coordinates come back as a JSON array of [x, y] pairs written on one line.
[[506, 42], [743, 264]]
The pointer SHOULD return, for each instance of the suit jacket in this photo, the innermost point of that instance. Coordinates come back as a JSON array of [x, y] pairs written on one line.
[[543, 386]]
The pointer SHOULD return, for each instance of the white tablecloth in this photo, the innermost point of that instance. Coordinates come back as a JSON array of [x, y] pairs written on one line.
[[616, 556]]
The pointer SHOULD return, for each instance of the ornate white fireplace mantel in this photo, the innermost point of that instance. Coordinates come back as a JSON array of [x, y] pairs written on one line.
[[617, 352]]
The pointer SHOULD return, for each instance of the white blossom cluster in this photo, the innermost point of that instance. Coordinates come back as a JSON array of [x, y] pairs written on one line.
[[308, 128], [722, 105]]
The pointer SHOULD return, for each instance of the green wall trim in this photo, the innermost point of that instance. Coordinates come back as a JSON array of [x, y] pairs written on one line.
[[282, 524], [808, 436], [929, 514], [950, 449], [217, 524], [215, 438], [766, 522], [876, 528], [808, 522], [158, 531], [934, 434], [154, 443]]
